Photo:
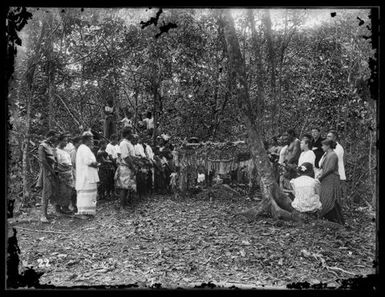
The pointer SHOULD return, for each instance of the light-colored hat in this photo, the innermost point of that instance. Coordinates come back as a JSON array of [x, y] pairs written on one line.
[[87, 133]]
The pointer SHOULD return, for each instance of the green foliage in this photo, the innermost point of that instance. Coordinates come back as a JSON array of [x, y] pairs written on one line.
[[321, 74]]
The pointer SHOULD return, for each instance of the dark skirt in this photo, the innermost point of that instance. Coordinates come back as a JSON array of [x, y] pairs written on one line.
[[330, 198]]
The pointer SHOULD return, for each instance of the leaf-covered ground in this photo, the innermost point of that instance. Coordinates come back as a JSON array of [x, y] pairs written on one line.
[[190, 241]]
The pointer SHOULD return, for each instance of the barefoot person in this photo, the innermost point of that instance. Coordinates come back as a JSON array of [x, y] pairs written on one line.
[[86, 177], [47, 177], [66, 179], [125, 179]]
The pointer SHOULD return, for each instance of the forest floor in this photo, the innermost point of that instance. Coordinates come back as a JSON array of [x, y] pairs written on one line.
[[179, 242]]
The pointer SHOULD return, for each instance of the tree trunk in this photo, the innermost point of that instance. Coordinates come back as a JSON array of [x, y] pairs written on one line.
[[26, 179], [274, 200], [271, 58]]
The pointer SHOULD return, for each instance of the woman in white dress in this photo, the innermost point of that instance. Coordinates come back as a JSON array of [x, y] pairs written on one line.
[[306, 190], [86, 176]]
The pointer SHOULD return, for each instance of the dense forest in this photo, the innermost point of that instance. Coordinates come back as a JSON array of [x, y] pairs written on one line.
[[215, 77], [304, 70]]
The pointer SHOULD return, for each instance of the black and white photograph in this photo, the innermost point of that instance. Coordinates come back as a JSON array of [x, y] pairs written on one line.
[[192, 148]]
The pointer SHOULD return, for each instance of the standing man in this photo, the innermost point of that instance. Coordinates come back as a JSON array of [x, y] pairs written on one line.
[[339, 150], [77, 141], [48, 181], [109, 119], [294, 147], [316, 146]]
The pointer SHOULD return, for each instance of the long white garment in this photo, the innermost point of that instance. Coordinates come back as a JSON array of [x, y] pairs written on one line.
[[112, 151], [282, 154], [86, 176], [307, 157], [306, 191], [341, 167]]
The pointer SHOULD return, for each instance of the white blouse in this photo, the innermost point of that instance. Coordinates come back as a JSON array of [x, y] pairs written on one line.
[[306, 191], [307, 157]]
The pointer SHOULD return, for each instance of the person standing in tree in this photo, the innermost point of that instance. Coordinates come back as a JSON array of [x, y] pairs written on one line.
[[111, 148], [109, 119], [125, 174], [86, 177], [330, 184], [306, 190], [316, 146], [66, 180], [127, 121], [149, 123], [48, 179]]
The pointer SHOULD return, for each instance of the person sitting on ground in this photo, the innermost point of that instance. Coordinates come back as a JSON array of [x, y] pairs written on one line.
[[307, 154], [306, 190], [87, 177], [66, 179], [48, 180], [275, 146], [330, 194], [106, 172]]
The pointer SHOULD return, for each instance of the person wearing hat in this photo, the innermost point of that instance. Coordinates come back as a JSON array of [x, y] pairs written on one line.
[[306, 190], [48, 179], [87, 177]]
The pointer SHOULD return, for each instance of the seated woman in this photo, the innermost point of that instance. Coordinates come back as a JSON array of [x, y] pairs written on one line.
[[306, 190]]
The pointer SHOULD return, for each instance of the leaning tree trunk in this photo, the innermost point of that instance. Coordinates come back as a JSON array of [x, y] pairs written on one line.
[[25, 146], [274, 200]]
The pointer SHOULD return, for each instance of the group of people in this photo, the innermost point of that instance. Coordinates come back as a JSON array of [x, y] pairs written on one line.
[[312, 169], [75, 172]]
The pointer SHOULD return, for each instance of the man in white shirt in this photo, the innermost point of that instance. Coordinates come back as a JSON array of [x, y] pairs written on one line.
[[111, 148], [307, 154], [339, 150]]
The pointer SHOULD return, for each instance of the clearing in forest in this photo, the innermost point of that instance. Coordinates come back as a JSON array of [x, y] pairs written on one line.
[[187, 242]]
